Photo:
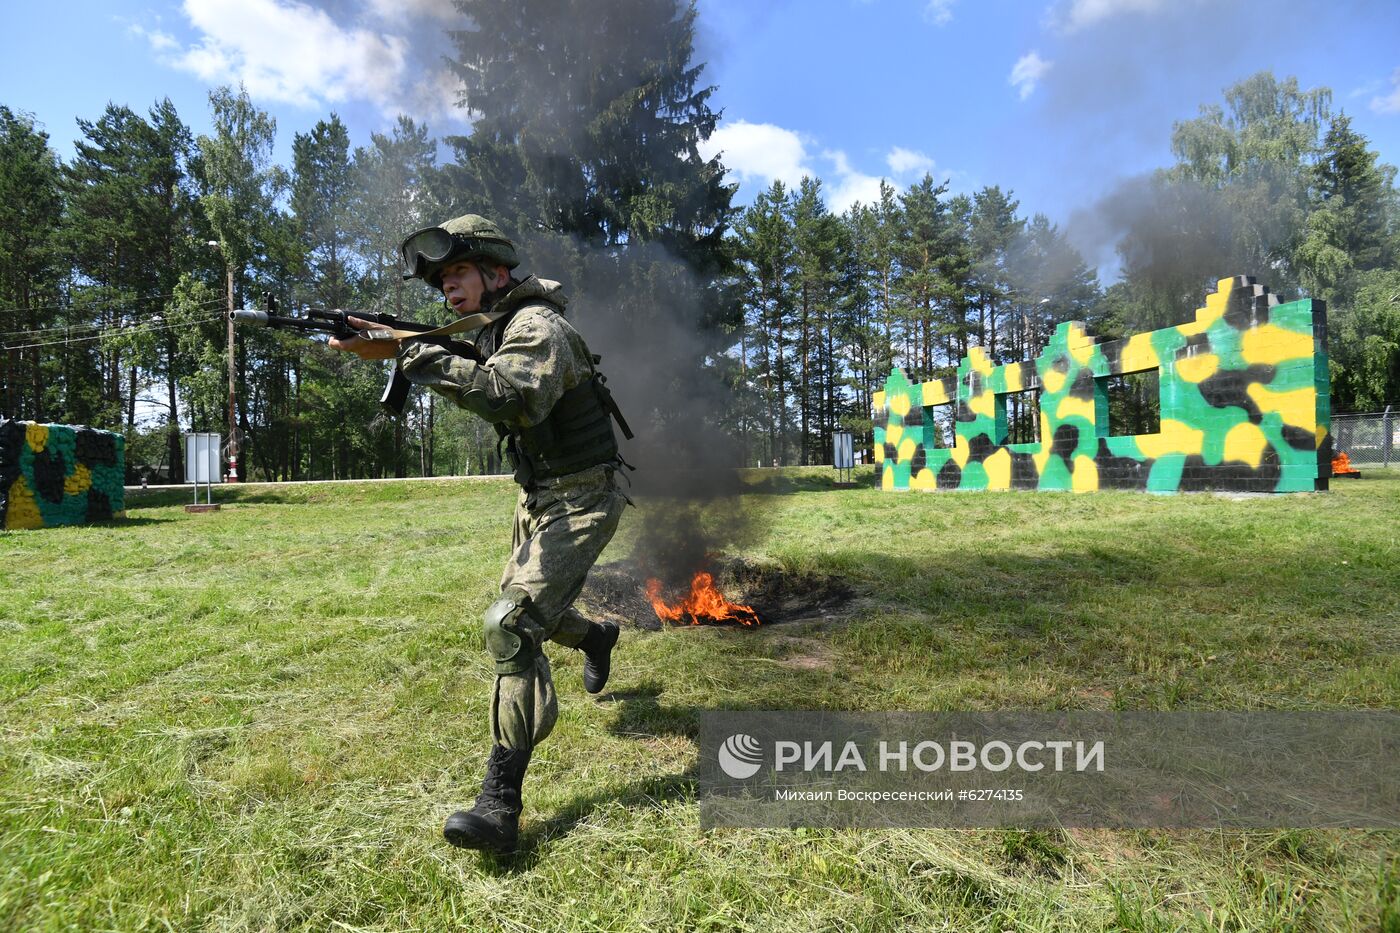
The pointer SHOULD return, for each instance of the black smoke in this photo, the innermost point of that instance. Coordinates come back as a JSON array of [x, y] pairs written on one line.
[[652, 320]]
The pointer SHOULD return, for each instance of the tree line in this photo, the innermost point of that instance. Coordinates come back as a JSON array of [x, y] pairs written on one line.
[[116, 265], [1272, 184]]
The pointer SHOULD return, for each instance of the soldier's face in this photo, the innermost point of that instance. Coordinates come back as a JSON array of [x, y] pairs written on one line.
[[463, 286]]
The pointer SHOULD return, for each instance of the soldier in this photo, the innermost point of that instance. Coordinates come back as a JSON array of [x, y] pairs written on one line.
[[538, 384]]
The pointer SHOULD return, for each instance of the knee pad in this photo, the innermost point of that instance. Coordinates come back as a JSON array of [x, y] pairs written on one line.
[[513, 635]]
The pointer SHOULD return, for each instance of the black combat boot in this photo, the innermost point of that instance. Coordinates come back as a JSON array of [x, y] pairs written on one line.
[[597, 648], [493, 823]]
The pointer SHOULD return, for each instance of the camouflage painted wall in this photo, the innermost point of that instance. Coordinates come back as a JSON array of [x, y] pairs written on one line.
[[1244, 406], [58, 474]]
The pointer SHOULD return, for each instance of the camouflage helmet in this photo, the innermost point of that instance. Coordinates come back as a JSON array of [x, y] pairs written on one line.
[[468, 238]]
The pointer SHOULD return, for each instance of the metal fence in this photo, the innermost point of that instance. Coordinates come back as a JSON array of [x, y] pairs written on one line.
[[1371, 439]]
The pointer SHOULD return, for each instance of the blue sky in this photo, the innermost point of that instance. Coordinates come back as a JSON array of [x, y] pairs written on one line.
[[1058, 100]]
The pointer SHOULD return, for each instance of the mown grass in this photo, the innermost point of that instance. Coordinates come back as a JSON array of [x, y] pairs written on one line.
[[257, 719]]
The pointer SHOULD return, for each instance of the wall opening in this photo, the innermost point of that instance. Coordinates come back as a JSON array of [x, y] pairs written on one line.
[[941, 423], [1134, 402], [1019, 413]]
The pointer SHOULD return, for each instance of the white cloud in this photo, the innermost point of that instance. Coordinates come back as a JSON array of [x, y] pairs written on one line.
[[434, 97], [1081, 13], [1388, 103], [1027, 72], [904, 161], [763, 153], [399, 10], [939, 12], [760, 152], [159, 41], [293, 53], [849, 185]]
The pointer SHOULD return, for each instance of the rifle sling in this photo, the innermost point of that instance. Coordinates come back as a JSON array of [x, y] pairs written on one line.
[[462, 324]]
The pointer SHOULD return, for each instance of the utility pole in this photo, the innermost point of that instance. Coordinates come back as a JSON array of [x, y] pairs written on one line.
[[232, 372], [232, 383]]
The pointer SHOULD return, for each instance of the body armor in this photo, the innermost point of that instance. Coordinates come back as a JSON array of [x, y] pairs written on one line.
[[577, 433]]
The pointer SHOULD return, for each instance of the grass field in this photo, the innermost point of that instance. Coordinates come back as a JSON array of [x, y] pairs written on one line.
[[258, 719]]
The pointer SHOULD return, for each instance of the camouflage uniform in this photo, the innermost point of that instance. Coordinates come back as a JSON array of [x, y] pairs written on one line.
[[562, 524]]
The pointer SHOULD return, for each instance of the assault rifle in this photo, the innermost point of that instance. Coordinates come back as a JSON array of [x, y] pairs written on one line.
[[386, 327]]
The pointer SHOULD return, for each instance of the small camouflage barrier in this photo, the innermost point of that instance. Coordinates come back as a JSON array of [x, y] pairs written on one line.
[[1243, 395], [59, 474]]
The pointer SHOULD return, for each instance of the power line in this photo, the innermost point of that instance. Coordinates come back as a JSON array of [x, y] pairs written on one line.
[[78, 328], [60, 307], [139, 329]]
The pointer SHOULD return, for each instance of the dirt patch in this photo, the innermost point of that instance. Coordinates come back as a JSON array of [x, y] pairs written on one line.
[[616, 593], [806, 654]]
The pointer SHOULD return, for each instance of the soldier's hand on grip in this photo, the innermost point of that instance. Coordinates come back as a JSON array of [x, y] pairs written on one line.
[[365, 345]]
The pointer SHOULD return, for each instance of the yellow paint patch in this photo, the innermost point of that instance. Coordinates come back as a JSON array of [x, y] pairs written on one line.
[[1070, 407], [887, 479], [878, 400], [1053, 381], [1081, 345], [961, 452], [906, 450], [1319, 435], [900, 405], [893, 433], [880, 452], [22, 511], [1086, 474], [37, 436], [984, 404], [1138, 353], [78, 482], [1270, 344], [998, 467], [981, 363], [1212, 312], [1176, 437], [1197, 368], [1015, 379], [935, 393], [926, 479], [1297, 407], [1042, 456], [1245, 443]]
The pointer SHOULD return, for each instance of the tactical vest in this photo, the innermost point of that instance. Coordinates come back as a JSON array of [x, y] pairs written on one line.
[[575, 435]]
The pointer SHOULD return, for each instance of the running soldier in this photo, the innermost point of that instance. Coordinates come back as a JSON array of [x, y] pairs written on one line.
[[537, 382]]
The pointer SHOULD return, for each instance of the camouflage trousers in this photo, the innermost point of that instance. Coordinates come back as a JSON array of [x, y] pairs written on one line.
[[560, 529]]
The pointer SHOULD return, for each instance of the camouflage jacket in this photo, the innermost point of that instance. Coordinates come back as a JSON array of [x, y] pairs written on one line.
[[538, 356]]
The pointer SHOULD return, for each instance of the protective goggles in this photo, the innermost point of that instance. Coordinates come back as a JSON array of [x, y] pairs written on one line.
[[431, 245]]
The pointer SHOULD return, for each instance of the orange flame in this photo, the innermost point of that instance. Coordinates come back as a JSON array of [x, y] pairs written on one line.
[[704, 604]]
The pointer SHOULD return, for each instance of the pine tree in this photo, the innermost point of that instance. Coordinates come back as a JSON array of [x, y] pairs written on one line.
[[320, 195], [764, 248], [1050, 283], [31, 203], [587, 119], [994, 227], [1351, 226], [127, 230], [817, 259], [920, 248], [392, 196]]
